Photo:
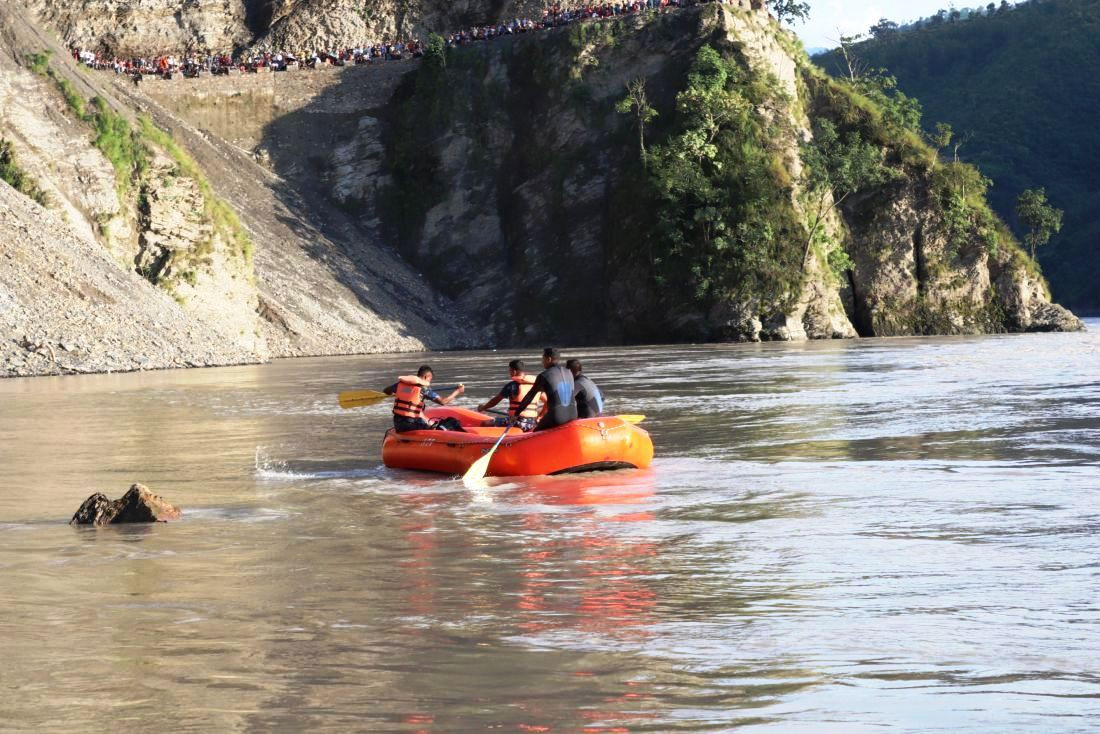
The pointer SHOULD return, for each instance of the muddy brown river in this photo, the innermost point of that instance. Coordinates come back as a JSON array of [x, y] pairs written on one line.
[[861, 536]]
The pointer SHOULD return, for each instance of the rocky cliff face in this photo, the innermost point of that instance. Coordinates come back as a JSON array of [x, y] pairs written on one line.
[[912, 275], [153, 27], [147, 27], [110, 197], [516, 187], [306, 24], [140, 242], [506, 174]]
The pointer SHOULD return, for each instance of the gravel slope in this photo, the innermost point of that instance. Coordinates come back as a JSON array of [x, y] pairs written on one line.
[[66, 307]]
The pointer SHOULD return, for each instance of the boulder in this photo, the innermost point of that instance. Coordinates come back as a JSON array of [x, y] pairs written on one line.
[[96, 510], [1052, 317], [139, 504]]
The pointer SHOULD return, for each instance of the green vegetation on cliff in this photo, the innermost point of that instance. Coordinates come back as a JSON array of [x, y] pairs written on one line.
[[677, 177], [718, 205], [131, 149], [1021, 86], [16, 177], [118, 142], [725, 220], [225, 220]]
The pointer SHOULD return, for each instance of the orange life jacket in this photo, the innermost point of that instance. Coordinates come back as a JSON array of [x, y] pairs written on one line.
[[532, 409], [409, 397]]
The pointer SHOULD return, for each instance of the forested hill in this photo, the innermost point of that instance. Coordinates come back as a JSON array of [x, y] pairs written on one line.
[[1023, 84]]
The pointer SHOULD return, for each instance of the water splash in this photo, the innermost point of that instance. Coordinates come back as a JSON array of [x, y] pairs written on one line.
[[268, 468]]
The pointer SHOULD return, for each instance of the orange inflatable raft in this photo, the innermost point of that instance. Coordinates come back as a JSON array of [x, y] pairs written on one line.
[[584, 445]]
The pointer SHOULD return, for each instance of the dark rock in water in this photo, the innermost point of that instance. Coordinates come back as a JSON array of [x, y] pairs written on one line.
[[96, 510], [139, 504]]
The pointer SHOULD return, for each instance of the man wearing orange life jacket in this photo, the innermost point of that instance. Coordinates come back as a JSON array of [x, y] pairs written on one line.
[[556, 382], [514, 392], [410, 394]]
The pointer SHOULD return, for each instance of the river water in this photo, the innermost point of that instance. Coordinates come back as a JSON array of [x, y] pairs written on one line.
[[834, 537]]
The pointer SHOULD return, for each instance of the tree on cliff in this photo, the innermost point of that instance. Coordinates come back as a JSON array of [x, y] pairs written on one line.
[[724, 218], [1041, 219], [637, 102], [788, 10], [836, 168], [943, 136], [435, 51]]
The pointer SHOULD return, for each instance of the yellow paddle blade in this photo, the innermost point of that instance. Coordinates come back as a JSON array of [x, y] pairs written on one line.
[[477, 471], [361, 398], [631, 418]]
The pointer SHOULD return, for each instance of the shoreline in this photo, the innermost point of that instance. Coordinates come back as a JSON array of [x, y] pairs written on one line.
[[4, 376]]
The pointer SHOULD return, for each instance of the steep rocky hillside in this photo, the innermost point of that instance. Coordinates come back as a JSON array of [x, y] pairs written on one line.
[[239, 257], [153, 27], [1021, 87], [147, 27], [66, 306], [526, 195], [127, 192], [737, 193]]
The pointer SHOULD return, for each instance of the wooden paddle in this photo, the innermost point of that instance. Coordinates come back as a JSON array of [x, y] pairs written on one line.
[[363, 398], [476, 473]]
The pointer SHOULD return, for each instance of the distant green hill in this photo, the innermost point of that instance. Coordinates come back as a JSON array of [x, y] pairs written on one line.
[[1025, 84]]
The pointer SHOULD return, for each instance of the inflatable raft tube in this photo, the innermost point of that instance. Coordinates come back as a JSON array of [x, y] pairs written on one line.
[[591, 444]]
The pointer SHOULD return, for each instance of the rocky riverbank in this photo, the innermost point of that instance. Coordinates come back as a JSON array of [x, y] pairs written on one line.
[[496, 194], [149, 243], [66, 307]]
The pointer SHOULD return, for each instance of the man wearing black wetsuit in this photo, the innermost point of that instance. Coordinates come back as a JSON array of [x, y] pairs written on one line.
[[557, 383], [589, 398]]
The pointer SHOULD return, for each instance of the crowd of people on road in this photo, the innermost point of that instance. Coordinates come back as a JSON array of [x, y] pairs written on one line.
[[189, 65], [561, 393], [193, 64]]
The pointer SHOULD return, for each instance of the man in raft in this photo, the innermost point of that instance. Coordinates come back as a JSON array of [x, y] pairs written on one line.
[[557, 383], [589, 397], [410, 393], [514, 391]]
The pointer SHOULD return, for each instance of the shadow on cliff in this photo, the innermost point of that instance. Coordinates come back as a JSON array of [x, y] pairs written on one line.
[[300, 145], [526, 225]]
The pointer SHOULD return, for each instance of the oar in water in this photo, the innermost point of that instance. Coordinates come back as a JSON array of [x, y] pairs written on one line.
[[629, 418], [477, 471], [363, 398]]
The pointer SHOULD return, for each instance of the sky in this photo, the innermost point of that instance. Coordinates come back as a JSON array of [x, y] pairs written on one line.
[[856, 17]]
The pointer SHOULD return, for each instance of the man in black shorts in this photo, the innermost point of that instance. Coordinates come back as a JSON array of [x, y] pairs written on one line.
[[514, 391]]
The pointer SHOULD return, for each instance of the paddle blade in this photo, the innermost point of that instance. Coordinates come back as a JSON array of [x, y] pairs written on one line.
[[634, 419], [477, 471], [361, 398]]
